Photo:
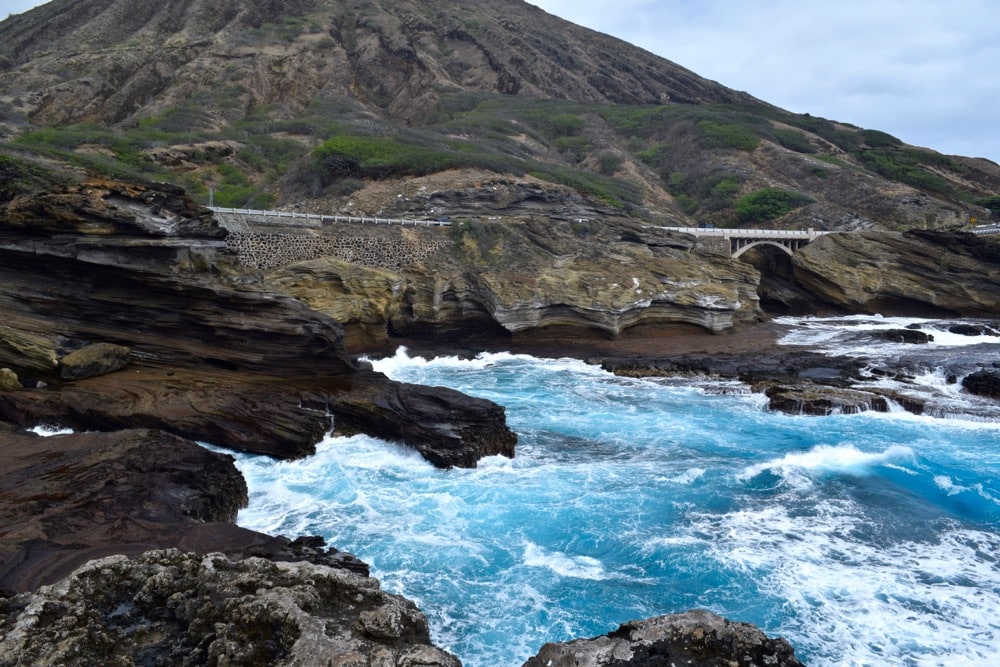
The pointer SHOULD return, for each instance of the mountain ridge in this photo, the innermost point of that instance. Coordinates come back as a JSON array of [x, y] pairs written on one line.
[[320, 99]]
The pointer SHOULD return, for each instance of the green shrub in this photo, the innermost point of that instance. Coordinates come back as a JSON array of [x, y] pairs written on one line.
[[992, 203], [721, 194], [614, 191], [908, 165], [655, 156], [794, 140], [573, 149], [877, 139], [726, 135], [768, 204], [608, 162]]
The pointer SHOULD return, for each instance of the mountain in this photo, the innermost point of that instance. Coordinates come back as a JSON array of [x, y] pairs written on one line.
[[341, 105]]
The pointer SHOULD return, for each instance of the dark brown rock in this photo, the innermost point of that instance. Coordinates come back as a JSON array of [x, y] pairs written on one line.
[[908, 336], [447, 427], [67, 499], [983, 383], [695, 638], [214, 356], [815, 399]]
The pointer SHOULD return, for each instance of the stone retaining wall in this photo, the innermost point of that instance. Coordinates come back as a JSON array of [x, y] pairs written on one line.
[[261, 250]]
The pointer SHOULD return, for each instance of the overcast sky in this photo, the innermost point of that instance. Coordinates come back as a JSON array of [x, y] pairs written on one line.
[[926, 71]]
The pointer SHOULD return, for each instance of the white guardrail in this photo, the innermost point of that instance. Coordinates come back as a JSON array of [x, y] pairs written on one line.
[[750, 233], [331, 218]]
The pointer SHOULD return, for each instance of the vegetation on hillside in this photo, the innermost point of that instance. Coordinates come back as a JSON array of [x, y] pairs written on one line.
[[333, 147]]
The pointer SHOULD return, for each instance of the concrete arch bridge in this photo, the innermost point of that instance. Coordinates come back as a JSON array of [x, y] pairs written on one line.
[[741, 240]]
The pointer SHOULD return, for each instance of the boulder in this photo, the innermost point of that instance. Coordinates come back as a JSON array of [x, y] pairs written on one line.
[[92, 360], [9, 380], [171, 607], [965, 329], [908, 336], [694, 639]]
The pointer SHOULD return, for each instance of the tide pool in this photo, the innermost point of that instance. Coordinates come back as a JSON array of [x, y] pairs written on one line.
[[862, 539]]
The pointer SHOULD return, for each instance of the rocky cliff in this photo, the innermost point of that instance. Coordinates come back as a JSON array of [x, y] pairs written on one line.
[[535, 280], [212, 356]]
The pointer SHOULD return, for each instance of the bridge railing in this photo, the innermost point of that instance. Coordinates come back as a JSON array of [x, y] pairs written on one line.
[[331, 218], [750, 233]]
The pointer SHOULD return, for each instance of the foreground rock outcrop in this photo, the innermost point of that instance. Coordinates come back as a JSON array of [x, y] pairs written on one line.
[[70, 498], [176, 608], [696, 638]]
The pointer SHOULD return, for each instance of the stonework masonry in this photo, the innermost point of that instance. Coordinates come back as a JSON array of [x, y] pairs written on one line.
[[261, 245]]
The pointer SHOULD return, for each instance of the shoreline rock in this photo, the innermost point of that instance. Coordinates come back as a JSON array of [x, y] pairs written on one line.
[[170, 607], [67, 499], [696, 638]]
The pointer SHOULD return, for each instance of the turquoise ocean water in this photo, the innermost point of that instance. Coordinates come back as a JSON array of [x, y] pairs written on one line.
[[868, 539]]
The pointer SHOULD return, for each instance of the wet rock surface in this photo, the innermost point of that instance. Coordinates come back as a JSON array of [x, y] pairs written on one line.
[[983, 383], [696, 638], [69, 498]]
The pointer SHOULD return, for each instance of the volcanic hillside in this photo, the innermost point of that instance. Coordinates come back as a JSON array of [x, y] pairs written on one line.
[[439, 107]]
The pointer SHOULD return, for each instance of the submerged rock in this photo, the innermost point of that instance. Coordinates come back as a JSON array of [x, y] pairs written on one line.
[[908, 336], [694, 639], [176, 608], [807, 398]]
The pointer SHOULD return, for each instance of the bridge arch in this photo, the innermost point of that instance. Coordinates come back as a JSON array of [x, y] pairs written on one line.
[[739, 246]]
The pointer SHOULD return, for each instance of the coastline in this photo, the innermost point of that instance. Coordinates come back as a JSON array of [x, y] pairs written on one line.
[[760, 338]]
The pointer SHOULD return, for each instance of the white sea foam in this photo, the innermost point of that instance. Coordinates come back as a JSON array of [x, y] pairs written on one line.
[[392, 366], [47, 431], [838, 335], [799, 468], [856, 602], [687, 476], [578, 567]]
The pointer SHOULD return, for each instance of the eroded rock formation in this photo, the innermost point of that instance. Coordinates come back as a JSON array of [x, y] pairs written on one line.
[[213, 355], [914, 273]]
